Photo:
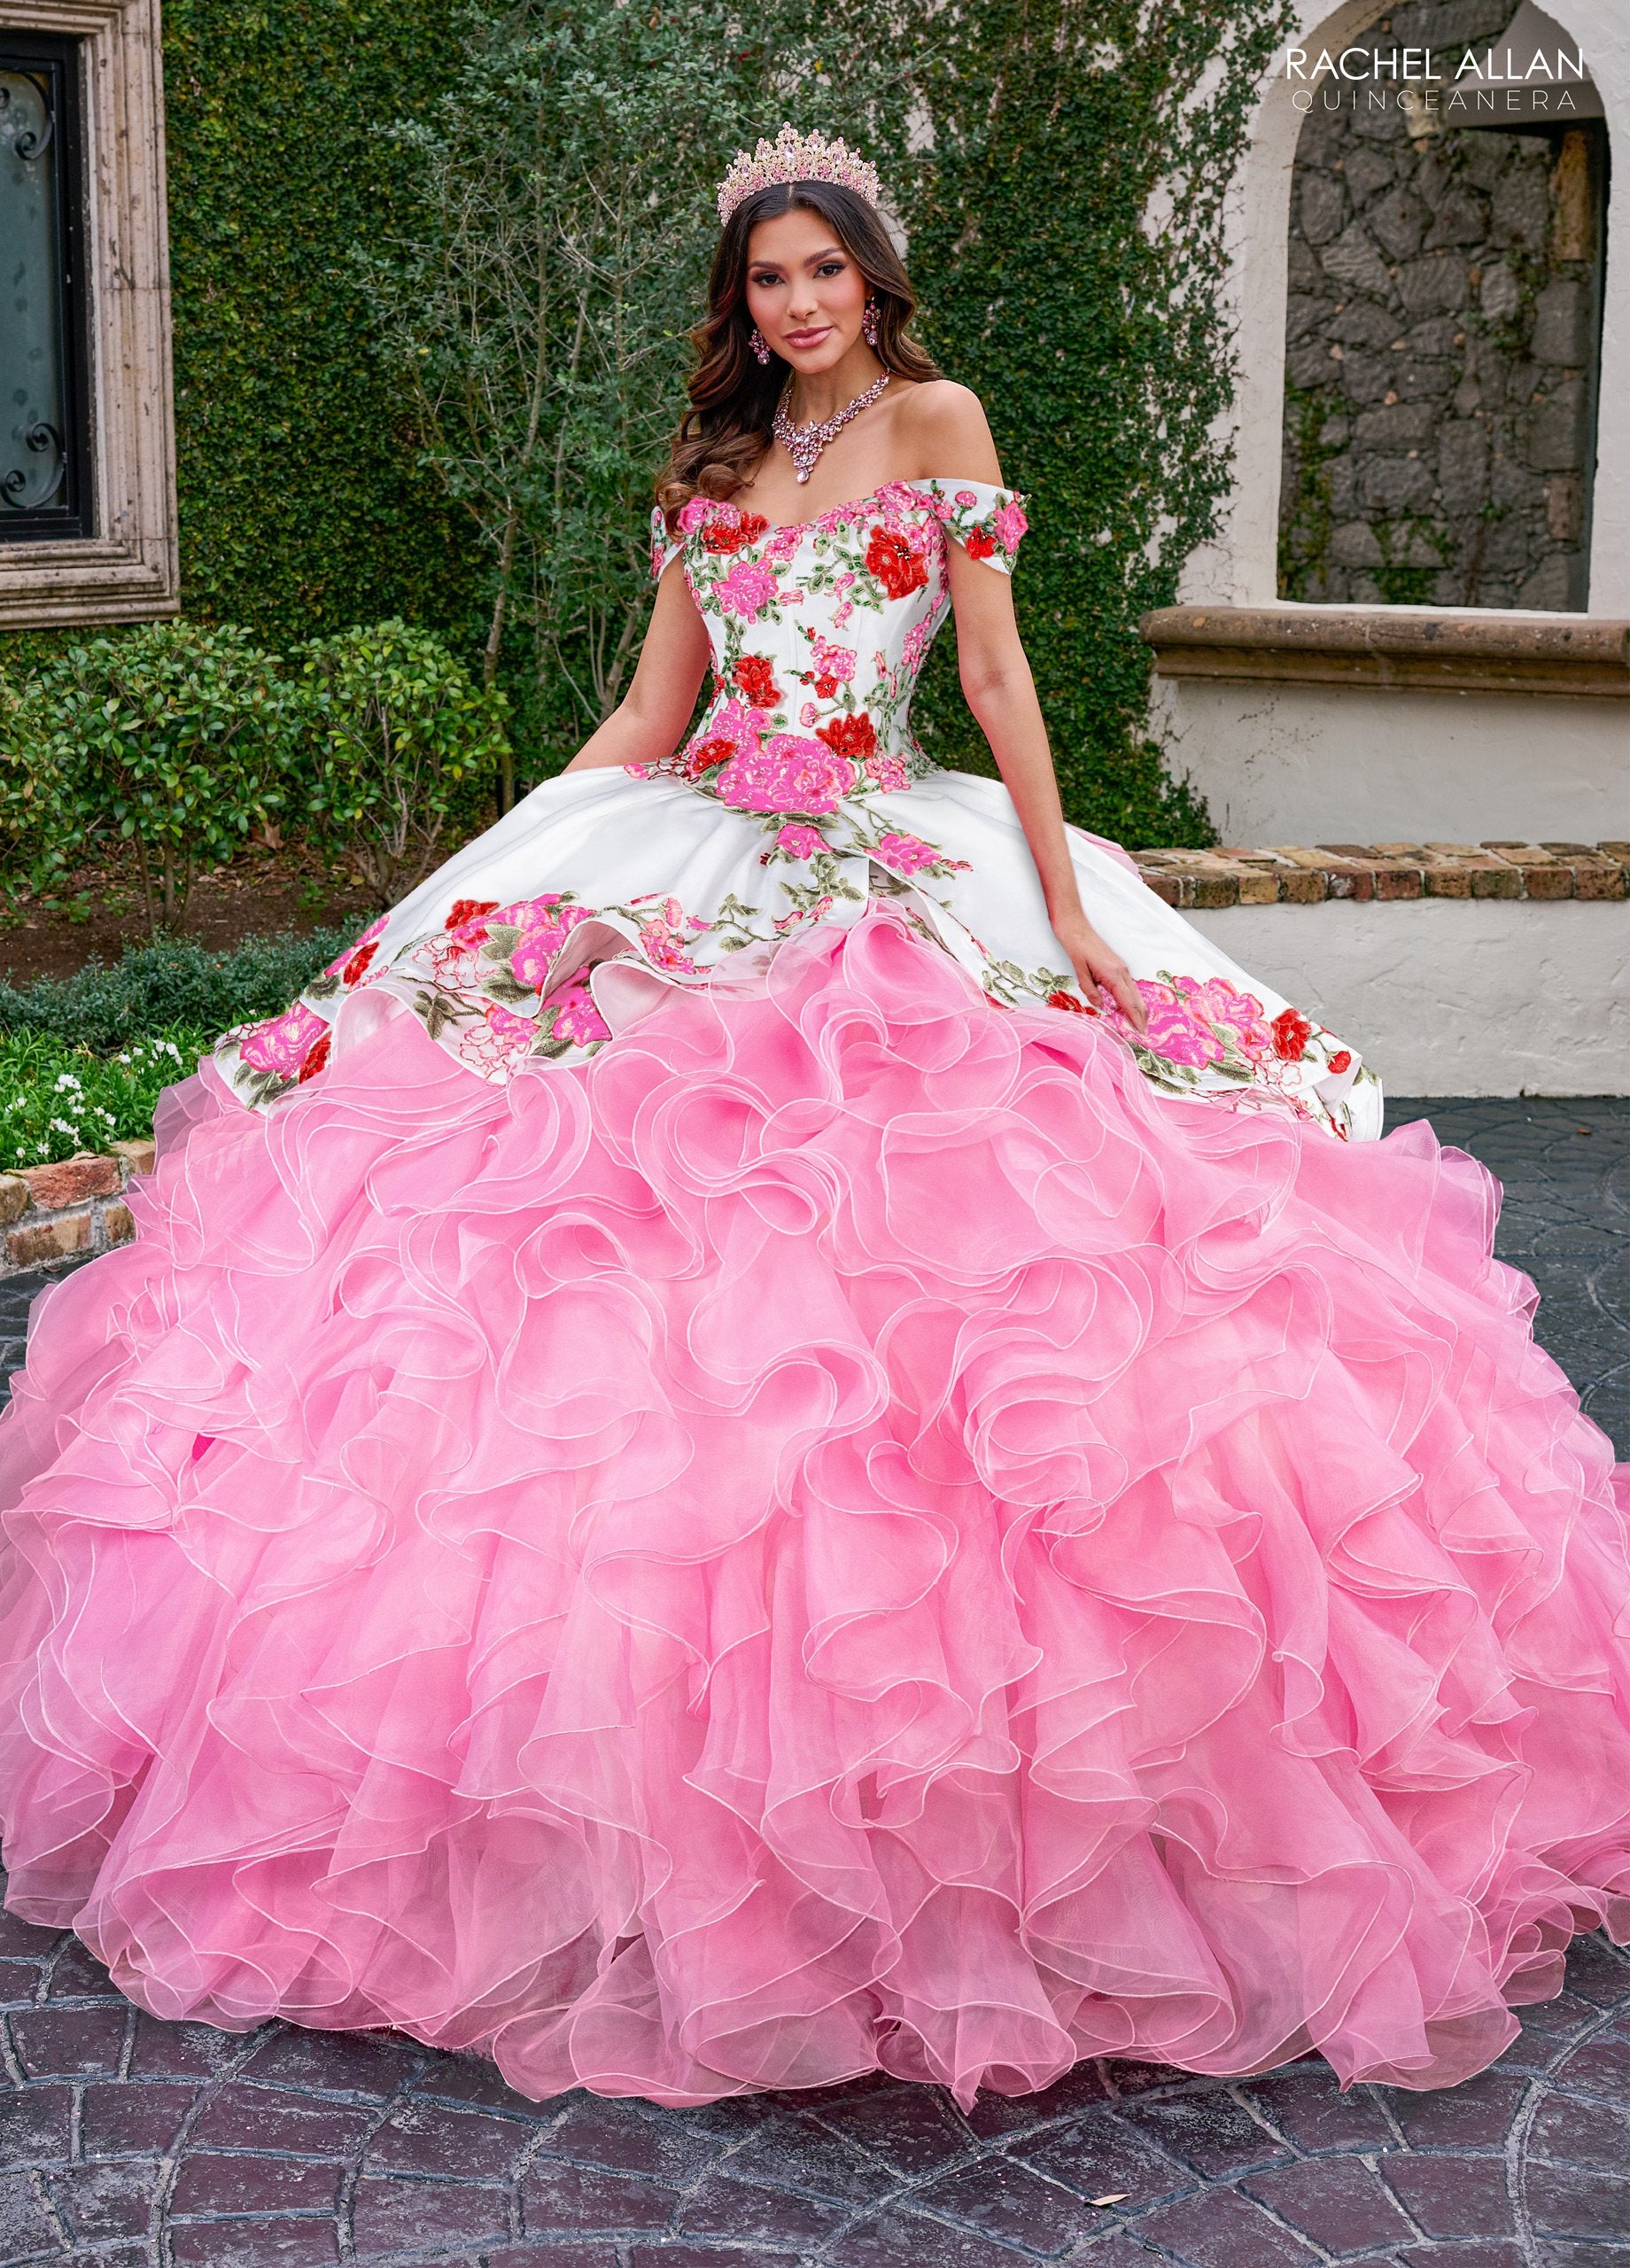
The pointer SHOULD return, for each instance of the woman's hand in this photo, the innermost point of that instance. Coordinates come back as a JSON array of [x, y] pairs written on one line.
[[1100, 969]]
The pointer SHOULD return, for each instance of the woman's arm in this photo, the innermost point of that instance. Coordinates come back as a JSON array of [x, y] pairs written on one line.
[[648, 721], [1001, 693]]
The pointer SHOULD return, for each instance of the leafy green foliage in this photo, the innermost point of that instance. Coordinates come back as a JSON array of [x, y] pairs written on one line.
[[165, 985], [302, 505], [174, 739], [396, 740], [57, 1099], [1065, 239]]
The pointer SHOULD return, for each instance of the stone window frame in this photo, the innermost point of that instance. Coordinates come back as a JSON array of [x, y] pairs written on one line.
[[127, 570], [1236, 573]]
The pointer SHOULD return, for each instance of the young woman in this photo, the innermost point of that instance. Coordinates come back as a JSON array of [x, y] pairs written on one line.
[[779, 1430]]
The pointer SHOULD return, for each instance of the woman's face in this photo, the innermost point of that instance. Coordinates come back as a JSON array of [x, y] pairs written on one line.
[[805, 292]]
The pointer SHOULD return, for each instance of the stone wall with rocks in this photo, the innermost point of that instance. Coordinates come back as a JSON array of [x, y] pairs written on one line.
[[1441, 339]]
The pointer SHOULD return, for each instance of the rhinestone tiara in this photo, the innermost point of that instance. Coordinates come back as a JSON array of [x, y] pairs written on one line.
[[793, 156]]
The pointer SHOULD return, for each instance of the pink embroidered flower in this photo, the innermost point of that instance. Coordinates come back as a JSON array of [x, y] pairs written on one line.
[[1010, 525], [800, 841], [808, 714], [693, 511], [1173, 1031], [887, 772], [787, 773], [1218, 1002], [833, 660], [576, 1016], [534, 955], [283, 1042], [746, 590], [967, 498], [908, 854], [660, 940]]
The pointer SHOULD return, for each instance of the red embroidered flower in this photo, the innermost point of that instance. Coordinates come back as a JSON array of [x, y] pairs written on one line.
[[756, 676], [704, 757], [854, 737], [980, 545], [1291, 1031], [315, 1059], [895, 565], [726, 534], [1068, 1000], [825, 687], [1339, 1062], [466, 910], [356, 968]]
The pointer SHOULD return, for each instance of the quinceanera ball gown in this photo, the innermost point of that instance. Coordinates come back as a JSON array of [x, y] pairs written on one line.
[[697, 1480]]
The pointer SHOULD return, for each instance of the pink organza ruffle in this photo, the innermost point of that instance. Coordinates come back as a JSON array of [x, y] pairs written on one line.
[[844, 1534]]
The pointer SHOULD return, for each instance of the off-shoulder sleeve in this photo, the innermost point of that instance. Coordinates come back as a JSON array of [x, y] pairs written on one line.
[[664, 546], [987, 522]]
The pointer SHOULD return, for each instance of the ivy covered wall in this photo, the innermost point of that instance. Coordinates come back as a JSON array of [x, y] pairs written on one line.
[[300, 508], [1093, 337], [1066, 240]]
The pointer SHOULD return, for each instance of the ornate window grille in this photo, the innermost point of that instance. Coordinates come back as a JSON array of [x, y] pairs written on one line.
[[45, 481]]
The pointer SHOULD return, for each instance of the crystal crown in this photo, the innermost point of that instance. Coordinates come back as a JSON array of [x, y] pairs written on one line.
[[793, 156]]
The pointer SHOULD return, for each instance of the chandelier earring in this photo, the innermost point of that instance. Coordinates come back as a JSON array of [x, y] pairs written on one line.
[[756, 340], [869, 322]]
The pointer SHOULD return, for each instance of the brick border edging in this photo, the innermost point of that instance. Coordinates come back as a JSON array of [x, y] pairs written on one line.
[[1297, 874], [60, 1212]]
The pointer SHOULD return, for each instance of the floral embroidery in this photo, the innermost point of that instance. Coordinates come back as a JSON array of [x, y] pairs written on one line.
[[900, 570], [755, 675], [786, 774], [819, 630], [283, 1042], [908, 854]]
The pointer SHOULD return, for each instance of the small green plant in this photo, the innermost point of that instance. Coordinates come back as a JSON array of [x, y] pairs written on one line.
[[175, 739], [1305, 520], [398, 740], [1401, 580], [57, 1099], [174, 983]]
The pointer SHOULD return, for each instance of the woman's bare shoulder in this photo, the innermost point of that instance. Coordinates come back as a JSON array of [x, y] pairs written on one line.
[[947, 432]]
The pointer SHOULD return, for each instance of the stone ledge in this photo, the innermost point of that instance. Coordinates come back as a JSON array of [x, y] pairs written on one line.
[[55, 1212], [1297, 874], [1396, 647]]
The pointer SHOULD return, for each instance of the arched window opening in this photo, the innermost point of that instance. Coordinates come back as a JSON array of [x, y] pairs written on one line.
[[1443, 332]]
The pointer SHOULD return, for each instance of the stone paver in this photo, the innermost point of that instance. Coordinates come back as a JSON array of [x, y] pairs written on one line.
[[140, 2145]]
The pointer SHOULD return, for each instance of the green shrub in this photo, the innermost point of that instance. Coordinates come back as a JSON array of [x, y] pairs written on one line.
[[174, 983], [174, 739], [56, 1100], [397, 741]]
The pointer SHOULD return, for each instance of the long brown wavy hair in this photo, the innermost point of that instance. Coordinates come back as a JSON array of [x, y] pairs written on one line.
[[726, 430]]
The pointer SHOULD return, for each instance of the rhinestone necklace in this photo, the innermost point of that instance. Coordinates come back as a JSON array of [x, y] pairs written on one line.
[[805, 443]]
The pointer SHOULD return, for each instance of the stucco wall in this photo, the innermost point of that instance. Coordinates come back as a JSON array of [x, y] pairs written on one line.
[[1330, 764], [1455, 999]]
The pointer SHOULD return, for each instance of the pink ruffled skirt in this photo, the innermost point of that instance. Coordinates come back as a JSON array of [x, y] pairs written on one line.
[[844, 1534]]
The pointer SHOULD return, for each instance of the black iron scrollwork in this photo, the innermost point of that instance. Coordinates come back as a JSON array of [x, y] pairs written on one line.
[[38, 438], [32, 141]]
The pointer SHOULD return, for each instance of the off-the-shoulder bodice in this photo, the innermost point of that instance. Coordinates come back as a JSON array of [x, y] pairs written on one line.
[[820, 628]]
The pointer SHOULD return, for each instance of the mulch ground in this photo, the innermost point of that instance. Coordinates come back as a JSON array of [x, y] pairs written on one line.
[[96, 912]]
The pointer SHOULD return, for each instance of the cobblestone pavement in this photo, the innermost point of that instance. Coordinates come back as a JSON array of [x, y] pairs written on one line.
[[143, 2145]]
